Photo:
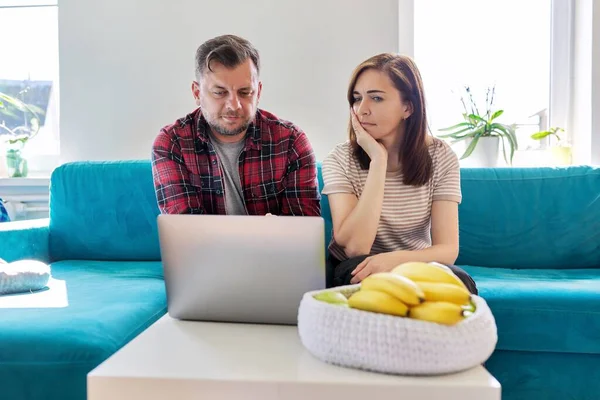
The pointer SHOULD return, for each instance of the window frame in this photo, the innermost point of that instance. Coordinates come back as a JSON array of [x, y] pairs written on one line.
[[46, 161]]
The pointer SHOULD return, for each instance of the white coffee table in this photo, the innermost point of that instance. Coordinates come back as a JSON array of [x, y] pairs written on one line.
[[200, 360]]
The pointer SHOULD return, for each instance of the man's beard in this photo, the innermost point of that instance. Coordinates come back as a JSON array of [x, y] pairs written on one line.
[[228, 132], [213, 123]]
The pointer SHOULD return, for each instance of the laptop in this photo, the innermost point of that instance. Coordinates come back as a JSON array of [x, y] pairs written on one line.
[[248, 269]]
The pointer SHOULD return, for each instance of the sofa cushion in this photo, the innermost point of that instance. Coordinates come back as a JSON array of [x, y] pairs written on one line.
[[530, 217], [108, 210], [25, 239], [509, 217], [526, 375], [543, 310], [103, 211], [50, 340]]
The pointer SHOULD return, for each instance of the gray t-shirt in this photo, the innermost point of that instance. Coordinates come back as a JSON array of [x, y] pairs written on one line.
[[229, 154]]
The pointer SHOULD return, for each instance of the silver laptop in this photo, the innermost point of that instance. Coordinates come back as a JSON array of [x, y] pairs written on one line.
[[251, 269]]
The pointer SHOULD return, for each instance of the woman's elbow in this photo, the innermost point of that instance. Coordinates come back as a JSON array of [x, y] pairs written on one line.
[[351, 247], [355, 250], [451, 255]]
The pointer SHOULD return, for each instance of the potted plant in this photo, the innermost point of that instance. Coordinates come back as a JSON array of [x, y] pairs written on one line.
[[561, 149], [19, 122], [482, 133]]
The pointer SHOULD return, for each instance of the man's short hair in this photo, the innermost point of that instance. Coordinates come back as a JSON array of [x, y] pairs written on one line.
[[229, 50]]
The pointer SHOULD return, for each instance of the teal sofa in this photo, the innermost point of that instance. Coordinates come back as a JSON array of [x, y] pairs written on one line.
[[529, 237]]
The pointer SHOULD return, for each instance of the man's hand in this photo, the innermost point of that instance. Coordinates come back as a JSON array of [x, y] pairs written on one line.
[[383, 262]]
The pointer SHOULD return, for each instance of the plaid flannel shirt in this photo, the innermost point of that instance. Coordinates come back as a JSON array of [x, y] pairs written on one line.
[[277, 169]]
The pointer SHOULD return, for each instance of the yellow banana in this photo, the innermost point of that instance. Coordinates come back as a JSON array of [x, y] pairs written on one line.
[[395, 285], [441, 312], [439, 265], [441, 291], [425, 272], [379, 302]]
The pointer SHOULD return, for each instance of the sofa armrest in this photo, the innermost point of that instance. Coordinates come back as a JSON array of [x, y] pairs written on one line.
[[25, 239]]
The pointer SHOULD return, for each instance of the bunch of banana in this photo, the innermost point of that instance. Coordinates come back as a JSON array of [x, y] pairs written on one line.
[[387, 293], [424, 291], [447, 300]]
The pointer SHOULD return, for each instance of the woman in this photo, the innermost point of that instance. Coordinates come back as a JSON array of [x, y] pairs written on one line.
[[393, 189]]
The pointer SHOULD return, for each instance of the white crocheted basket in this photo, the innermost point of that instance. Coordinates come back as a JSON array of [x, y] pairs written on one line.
[[395, 345]]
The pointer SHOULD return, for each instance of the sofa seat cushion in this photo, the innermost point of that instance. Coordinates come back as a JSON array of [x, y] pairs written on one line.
[[543, 310], [50, 340]]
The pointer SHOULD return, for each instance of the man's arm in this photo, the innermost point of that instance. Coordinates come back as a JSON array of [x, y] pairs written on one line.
[[174, 190], [301, 194]]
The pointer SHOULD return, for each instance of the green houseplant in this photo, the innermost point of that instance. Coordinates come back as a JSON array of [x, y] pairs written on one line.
[[478, 127], [561, 149], [556, 132], [19, 122]]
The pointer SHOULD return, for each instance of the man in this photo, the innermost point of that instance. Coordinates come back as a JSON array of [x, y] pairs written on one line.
[[228, 156]]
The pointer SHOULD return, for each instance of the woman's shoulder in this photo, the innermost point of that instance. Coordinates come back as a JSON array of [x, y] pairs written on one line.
[[437, 144], [341, 153], [344, 148], [445, 161], [441, 151], [341, 159]]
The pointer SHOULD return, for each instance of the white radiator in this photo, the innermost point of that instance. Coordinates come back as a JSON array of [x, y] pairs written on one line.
[[31, 209], [25, 198]]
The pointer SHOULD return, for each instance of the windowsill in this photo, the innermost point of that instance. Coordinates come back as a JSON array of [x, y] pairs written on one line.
[[39, 181]]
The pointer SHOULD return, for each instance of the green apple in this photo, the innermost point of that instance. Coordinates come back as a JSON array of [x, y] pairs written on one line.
[[470, 307], [332, 297]]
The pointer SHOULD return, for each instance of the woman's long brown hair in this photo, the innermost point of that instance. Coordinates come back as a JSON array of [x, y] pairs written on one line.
[[414, 156]]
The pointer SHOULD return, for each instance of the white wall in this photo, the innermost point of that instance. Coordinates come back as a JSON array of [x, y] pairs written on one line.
[[595, 111], [126, 65]]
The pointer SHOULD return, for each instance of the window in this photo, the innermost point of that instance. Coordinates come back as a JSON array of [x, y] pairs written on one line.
[[29, 72], [484, 44]]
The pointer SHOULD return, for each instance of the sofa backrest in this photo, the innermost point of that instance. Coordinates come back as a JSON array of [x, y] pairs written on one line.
[[108, 210], [103, 211], [509, 217], [530, 217]]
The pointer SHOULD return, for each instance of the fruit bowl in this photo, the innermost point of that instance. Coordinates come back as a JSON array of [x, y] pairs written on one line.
[[391, 344]]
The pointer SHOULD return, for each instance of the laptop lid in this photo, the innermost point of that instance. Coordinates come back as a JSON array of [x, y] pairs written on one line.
[[230, 268]]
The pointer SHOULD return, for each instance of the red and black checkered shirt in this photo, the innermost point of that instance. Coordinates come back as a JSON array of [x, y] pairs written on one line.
[[277, 169]]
